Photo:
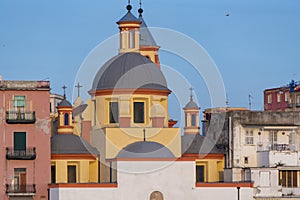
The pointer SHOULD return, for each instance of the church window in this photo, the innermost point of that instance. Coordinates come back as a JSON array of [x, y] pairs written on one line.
[[199, 173], [139, 112], [113, 112], [71, 174], [131, 39], [53, 174], [193, 120], [66, 119], [156, 196]]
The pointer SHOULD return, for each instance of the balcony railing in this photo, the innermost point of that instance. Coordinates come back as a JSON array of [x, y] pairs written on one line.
[[15, 117], [27, 154], [280, 147], [27, 189]]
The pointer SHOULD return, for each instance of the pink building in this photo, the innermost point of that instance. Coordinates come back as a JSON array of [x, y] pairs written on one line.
[[25, 139]]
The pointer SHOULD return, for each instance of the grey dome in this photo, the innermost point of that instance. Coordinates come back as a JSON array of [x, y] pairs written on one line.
[[191, 104], [145, 149], [129, 71], [129, 17], [64, 103]]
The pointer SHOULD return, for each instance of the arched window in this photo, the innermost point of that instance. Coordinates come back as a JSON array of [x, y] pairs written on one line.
[[66, 119], [156, 195]]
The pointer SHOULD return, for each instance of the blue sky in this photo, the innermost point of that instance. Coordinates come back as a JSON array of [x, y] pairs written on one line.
[[256, 47]]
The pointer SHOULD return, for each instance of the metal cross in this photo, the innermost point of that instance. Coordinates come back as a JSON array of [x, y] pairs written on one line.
[[64, 87], [191, 89], [78, 86]]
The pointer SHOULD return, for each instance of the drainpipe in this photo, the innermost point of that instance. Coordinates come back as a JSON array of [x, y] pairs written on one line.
[[230, 151]]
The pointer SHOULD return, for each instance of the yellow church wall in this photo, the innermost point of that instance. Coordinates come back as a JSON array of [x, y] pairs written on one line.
[[212, 169], [61, 171], [118, 138], [86, 170], [126, 108], [87, 114], [93, 171], [150, 54], [77, 125]]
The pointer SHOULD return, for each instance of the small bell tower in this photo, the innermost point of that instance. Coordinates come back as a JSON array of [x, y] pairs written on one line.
[[129, 27], [65, 118], [148, 46], [191, 111]]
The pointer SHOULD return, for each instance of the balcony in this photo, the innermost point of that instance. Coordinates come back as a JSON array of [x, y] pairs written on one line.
[[27, 154], [20, 190], [15, 117], [277, 154], [280, 147]]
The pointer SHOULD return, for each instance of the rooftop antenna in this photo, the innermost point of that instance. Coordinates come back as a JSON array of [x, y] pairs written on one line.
[[78, 86], [250, 101], [64, 88], [227, 100]]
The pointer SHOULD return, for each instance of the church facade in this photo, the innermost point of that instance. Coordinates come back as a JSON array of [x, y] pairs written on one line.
[[134, 150]]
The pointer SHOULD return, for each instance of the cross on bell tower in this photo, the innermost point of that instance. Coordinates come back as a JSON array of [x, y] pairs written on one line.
[[64, 88]]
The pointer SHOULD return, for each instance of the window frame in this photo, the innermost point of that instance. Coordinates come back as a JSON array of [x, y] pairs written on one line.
[[16, 137], [269, 98], [286, 97], [66, 119], [249, 137], [111, 118], [143, 120], [289, 178], [76, 173], [278, 97], [197, 173], [16, 101], [193, 119]]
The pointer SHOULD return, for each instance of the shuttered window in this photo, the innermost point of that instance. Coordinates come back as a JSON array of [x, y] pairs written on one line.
[[20, 141]]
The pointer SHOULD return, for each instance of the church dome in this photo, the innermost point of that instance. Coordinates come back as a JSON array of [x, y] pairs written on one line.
[[64, 103], [145, 149], [129, 71], [191, 104]]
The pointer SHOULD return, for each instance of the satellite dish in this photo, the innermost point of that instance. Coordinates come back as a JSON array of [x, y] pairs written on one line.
[[79, 109]]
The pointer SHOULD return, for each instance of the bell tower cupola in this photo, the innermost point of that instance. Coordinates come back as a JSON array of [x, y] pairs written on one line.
[[191, 113], [65, 118], [129, 27]]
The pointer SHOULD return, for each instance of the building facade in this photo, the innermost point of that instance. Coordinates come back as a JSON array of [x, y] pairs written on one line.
[[286, 98], [262, 147], [25, 143]]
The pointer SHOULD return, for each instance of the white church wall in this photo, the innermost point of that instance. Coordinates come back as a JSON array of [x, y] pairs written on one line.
[[138, 179]]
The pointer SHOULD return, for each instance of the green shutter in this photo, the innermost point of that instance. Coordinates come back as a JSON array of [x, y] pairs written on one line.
[[19, 101], [19, 141]]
